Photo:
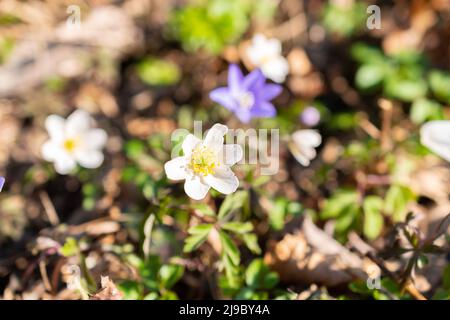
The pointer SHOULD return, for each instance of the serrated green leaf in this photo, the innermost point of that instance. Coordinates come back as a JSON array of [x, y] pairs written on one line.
[[251, 241], [238, 227], [229, 248], [232, 202], [200, 229], [204, 209]]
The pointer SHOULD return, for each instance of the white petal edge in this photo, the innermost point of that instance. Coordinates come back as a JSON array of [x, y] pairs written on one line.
[[64, 163], [95, 139], [55, 126], [435, 135], [231, 154], [189, 143], [78, 123], [307, 137], [50, 150], [214, 138], [90, 159], [176, 168], [195, 188], [223, 181]]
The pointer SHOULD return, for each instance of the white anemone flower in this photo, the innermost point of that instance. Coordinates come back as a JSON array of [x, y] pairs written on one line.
[[206, 164], [73, 141], [303, 144], [265, 54], [435, 135]]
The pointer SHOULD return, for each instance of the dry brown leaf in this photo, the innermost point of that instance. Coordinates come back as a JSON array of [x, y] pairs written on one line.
[[309, 256], [109, 291]]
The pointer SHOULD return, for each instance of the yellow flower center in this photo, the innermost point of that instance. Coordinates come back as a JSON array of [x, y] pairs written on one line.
[[69, 145], [203, 161]]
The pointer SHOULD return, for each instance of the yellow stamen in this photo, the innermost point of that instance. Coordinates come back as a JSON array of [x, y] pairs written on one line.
[[203, 161], [69, 145]]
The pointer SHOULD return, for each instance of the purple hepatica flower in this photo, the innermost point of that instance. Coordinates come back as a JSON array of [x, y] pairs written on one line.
[[2, 181], [248, 97]]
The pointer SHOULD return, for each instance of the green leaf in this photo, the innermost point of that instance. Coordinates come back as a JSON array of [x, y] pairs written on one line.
[[158, 72], [396, 201], [170, 274], [277, 214], [232, 202], [134, 148], [251, 241], [229, 248], [131, 290], [238, 227], [405, 89], [204, 209], [440, 85], [70, 247], [259, 276], [346, 218], [423, 110], [369, 76], [200, 229], [199, 234], [373, 219], [366, 54], [337, 203], [193, 242]]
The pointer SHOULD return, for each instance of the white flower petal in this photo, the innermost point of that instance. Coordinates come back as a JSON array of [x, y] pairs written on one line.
[[214, 138], [302, 153], [435, 135], [176, 168], [95, 139], [89, 158], [78, 123], [64, 163], [195, 188], [55, 127], [50, 150], [231, 154], [189, 143], [307, 137], [223, 181], [276, 69]]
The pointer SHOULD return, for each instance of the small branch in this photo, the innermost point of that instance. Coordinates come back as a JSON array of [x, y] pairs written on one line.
[[49, 208], [387, 108]]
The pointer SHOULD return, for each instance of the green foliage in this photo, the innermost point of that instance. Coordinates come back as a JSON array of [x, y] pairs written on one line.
[[157, 279], [70, 247], [344, 20], [373, 218], [233, 202], [211, 25], [423, 110], [198, 235], [256, 282], [400, 76], [440, 84], [158, 72], [396, 201], [346, 207]]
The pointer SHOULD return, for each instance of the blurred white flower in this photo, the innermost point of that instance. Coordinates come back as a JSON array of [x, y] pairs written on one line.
[[435, 135], [303, 144], [206, 164], [73, 141], [266, 54]]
